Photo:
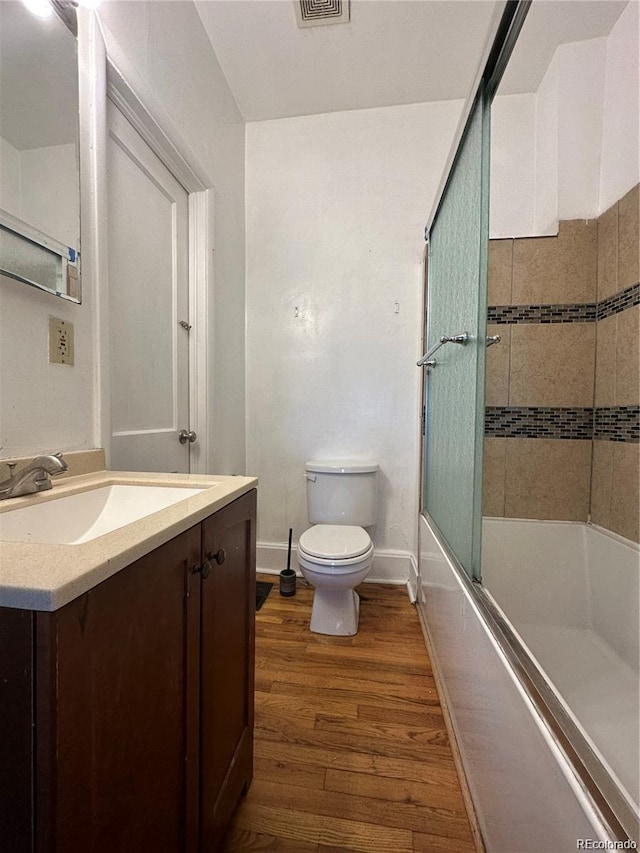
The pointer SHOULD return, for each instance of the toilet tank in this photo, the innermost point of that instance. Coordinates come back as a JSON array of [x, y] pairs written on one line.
[[342, 492]]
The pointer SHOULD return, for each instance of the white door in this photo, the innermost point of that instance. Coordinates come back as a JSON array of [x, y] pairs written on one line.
[[148, 306]]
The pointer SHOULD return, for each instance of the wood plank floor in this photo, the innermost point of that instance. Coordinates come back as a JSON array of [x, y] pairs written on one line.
[[351, 751]]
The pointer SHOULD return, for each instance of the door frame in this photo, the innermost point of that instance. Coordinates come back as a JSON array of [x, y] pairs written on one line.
[[141, 108]]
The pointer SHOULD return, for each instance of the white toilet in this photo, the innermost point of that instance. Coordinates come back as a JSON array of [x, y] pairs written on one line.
[[336, 554]]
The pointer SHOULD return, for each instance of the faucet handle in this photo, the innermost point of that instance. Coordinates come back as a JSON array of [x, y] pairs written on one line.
[[63, 463], [11, 466]]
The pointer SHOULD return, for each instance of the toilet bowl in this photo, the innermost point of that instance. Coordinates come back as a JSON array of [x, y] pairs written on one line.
[[335, 559]]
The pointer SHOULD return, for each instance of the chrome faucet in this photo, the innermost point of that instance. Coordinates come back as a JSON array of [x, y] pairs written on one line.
[[34, 477]]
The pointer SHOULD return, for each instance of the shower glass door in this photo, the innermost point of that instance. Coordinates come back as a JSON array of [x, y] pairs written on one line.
[[454, 386]]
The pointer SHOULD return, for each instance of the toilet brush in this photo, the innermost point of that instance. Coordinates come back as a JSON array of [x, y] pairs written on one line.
[[288, 576]]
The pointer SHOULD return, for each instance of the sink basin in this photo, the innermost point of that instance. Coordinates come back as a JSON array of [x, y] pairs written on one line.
[[73, 519]]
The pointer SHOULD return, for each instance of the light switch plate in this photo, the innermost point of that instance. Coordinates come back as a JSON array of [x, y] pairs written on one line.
[[61, 348]]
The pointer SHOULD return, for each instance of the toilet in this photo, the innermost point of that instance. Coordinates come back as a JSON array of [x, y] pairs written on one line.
[[335, 555]]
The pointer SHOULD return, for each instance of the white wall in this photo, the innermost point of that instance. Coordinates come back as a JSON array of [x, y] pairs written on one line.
[[545, 132], [24, 174], [164, 45], [580, 102], [9, 178], [43, 407], [547, 145], [336, 209], [620, 166], [583, 127], [513, 164], [56, 212]]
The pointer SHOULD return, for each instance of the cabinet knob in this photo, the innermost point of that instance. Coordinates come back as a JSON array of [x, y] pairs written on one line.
[[204, 569], [220, 556]]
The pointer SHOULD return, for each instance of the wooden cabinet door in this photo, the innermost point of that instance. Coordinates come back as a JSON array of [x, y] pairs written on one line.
[[16, 732], [117, 679], [227, 664]]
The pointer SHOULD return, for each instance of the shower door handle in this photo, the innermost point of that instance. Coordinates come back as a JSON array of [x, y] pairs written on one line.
[[428, 361]]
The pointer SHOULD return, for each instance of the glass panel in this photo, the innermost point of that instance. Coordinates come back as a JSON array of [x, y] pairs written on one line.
[[454, 392]]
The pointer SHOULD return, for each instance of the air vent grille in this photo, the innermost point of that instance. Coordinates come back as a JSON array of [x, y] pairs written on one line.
[[315, 13]]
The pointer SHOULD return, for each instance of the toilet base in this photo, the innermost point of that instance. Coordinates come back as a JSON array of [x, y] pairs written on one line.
[[335, 612]]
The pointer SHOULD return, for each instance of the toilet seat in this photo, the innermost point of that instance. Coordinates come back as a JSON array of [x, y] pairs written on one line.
[[335, 544], [335, 559]]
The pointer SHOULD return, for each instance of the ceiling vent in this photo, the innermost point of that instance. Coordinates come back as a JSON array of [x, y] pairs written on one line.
[[316, 13]]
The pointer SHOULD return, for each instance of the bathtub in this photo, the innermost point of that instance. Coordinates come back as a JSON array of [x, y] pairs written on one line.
[[568, 594], [571, 592]]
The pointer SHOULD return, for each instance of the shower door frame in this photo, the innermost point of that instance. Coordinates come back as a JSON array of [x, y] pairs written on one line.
[[477, 338]]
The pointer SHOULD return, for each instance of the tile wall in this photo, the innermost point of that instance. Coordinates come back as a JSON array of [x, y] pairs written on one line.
[[563, 387]]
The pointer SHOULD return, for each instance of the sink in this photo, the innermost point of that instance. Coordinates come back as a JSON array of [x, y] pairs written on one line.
[[73, 519]]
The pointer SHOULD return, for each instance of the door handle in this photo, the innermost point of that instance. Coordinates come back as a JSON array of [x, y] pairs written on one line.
[[184, 436]]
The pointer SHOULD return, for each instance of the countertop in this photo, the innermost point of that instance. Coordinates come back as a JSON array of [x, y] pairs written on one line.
[[46, 577]]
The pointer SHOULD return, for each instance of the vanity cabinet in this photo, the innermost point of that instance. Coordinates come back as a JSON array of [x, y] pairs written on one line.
[[127, 715]]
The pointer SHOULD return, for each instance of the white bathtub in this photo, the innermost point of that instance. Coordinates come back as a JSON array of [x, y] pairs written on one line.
[[571, 591], [527, 796]]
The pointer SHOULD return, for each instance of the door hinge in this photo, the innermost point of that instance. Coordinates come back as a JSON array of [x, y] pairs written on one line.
[[423, 420]]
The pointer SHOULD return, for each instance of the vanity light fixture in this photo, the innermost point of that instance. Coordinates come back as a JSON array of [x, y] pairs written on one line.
[[41, 8]]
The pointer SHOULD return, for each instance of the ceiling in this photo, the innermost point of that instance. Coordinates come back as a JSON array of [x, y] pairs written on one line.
[[392, 51]]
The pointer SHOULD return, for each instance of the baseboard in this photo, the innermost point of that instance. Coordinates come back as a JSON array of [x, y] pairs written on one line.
[[394, 567]]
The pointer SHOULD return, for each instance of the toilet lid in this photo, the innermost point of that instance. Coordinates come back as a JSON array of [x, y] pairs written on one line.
[[334, 541]]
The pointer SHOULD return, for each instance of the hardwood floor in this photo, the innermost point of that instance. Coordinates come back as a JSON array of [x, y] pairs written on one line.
[[351, 751]]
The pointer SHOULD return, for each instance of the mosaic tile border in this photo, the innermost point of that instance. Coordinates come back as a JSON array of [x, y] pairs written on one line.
[[617, 423], [538, 422], [503, 315], [621, 301], [580, 312]]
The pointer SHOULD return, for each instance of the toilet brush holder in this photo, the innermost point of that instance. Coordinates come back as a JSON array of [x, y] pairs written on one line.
[[288, 576], [287, 582]]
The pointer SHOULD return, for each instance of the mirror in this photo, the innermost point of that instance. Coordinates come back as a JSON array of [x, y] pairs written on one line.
[[39, 152]]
